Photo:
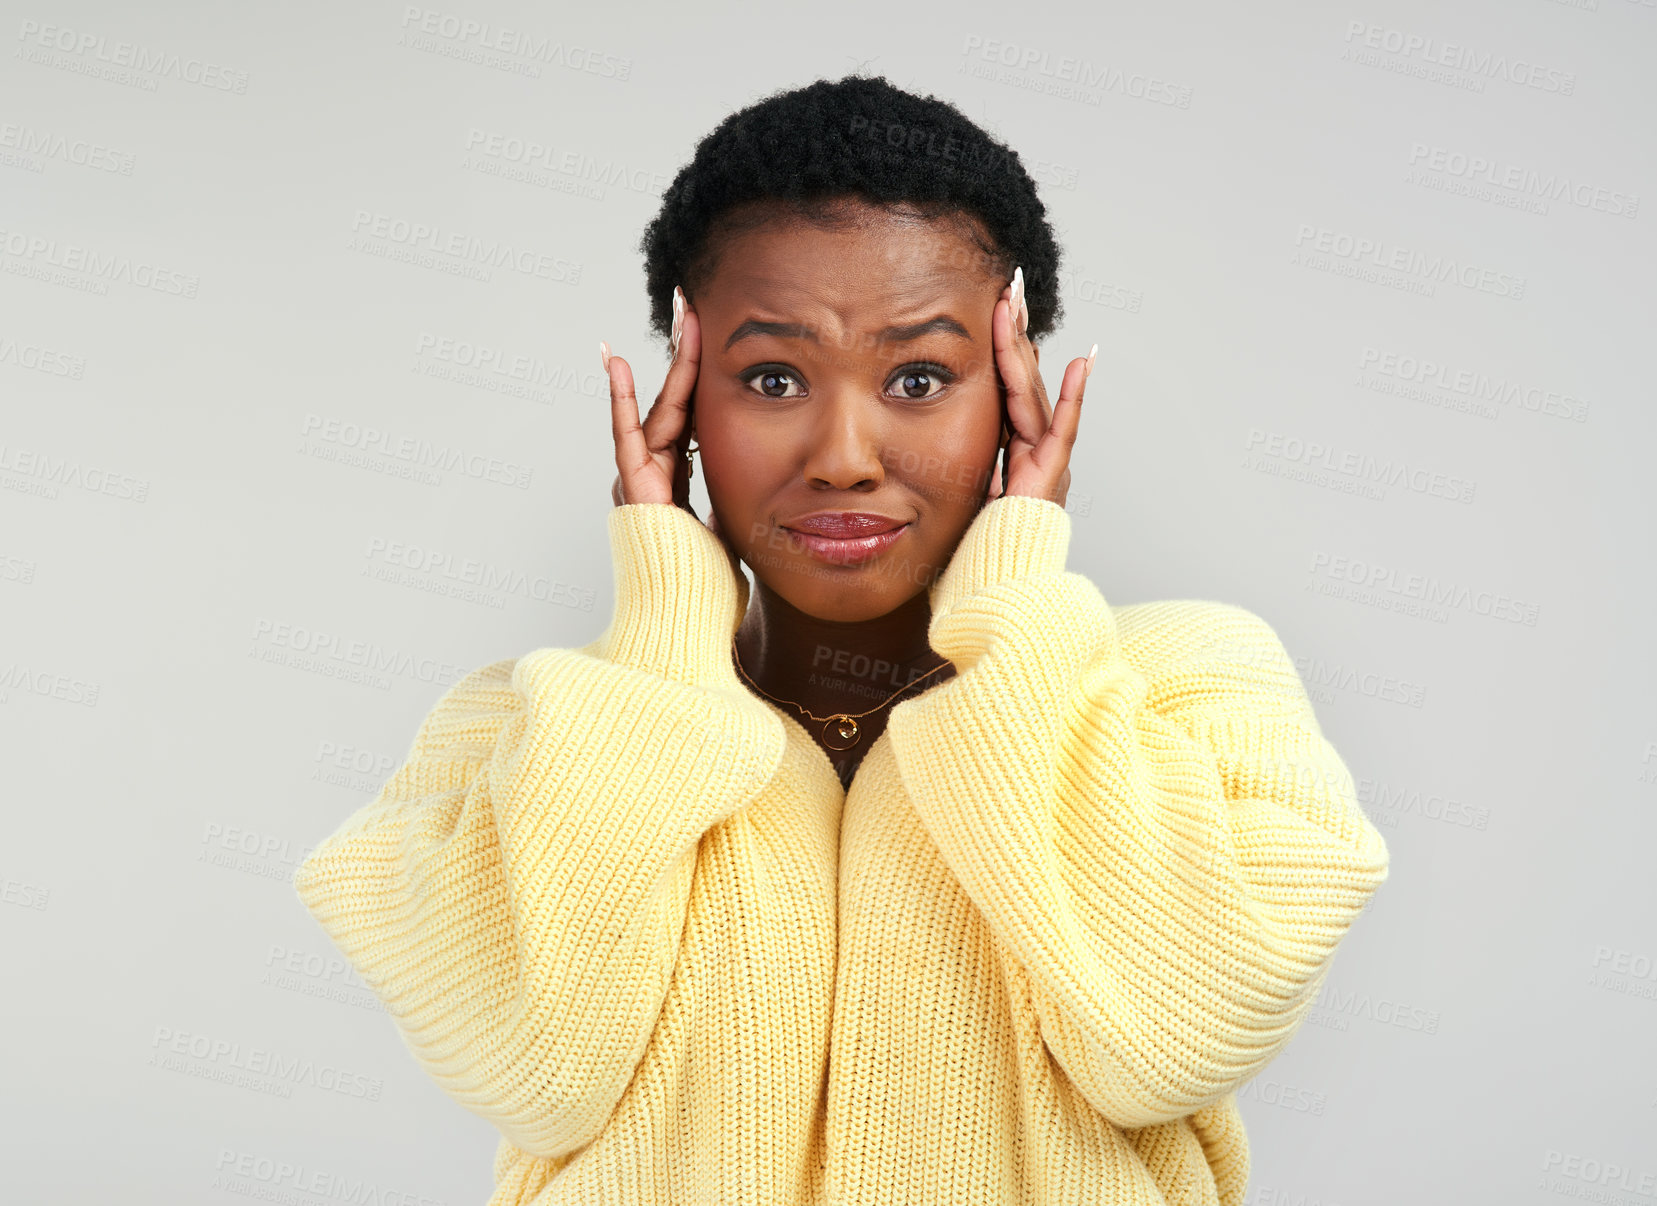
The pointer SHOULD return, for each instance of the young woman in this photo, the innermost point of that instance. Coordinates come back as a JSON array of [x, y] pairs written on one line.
[[923, 876]]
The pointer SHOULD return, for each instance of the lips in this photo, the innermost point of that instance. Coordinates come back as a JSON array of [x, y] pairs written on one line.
[[844, 525], [845, 537]]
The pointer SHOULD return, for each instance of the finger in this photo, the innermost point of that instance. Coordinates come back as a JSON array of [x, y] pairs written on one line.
[[1027, 410], [632, 454], [668, 423], [1060, 437], [681, 384]]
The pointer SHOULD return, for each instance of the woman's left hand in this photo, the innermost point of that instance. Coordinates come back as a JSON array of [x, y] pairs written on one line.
[[1038, 451]]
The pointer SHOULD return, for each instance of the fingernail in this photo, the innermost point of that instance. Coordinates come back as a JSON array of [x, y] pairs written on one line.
[[1090, 357], [678, 323], [1015, 303], [604, 351]]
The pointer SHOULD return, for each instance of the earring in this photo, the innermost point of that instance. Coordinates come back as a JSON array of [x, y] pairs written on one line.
[[690, 465]]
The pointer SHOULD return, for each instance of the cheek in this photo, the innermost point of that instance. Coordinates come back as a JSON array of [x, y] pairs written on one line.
[[743, 475], [948, 462]]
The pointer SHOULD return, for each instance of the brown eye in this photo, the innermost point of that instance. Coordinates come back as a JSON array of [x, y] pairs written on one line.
[[773, 383], [917, 385], [918, 381]]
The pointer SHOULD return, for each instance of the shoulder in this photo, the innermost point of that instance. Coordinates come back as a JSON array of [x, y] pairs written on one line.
[[1205, 643], [472, 711]]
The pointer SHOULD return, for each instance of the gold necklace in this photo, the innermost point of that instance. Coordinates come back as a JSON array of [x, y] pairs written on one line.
[[844, 727]]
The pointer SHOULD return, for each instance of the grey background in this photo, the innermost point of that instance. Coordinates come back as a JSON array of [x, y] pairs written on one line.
[[196, 561]]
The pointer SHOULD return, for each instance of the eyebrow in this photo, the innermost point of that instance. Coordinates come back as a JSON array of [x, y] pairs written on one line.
[[798, 330]]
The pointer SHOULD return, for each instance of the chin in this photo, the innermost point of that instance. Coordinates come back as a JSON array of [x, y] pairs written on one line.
[[843, 596]]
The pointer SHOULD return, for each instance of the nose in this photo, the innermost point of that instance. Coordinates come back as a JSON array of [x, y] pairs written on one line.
[[845, 442]]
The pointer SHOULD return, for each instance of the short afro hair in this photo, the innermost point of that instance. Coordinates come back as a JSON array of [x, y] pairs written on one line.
[[859, 137]]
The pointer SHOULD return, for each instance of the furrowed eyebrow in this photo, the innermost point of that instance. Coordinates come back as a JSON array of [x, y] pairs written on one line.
[[796, 330]]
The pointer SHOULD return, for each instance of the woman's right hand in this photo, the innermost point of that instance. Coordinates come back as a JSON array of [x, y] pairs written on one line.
[[650, 456]]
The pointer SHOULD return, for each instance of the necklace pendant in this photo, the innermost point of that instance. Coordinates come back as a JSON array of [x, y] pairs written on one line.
[[840, 728]]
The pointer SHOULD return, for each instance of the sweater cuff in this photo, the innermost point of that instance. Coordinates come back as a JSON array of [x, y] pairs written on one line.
[[678, 600], [1013, 537]]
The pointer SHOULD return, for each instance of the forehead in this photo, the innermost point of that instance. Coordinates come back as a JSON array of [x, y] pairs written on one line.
[[870, 259]]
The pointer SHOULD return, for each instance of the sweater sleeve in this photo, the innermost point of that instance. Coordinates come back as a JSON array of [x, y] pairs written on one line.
[[517, 891], [1155, 830]]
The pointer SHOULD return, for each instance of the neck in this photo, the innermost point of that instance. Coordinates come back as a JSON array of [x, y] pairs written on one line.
[[835, 665]]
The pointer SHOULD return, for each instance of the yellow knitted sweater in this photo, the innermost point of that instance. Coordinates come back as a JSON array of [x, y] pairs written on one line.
[[620, 906]]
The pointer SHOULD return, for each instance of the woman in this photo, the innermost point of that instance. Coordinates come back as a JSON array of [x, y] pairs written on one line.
[[930, 876]]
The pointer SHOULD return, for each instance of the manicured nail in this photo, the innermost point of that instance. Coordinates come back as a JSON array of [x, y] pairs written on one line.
[[604, 351], [1089, 372], [1015, 304], [678, 323]]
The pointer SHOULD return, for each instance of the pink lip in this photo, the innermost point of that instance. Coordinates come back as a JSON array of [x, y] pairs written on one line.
[[842, 525], [845, 537]]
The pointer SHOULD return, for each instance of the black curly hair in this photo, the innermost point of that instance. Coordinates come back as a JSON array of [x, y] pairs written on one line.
[[861, 137]]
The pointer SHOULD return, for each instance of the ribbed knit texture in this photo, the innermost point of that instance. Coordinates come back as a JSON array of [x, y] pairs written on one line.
[[620, 906]]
